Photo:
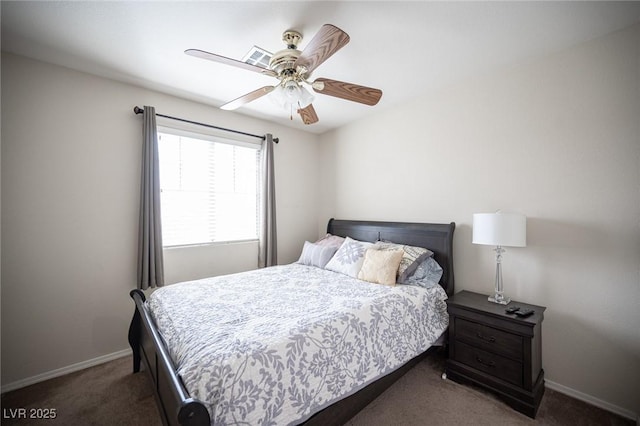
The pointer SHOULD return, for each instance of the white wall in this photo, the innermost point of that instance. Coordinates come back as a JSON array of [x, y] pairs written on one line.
[[71, 149], [193, 262], [557, 139]]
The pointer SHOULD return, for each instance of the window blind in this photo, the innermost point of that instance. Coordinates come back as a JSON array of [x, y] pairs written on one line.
[[209, 189]]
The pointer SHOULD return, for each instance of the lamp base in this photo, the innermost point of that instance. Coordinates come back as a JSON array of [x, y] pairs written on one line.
[[500, 299]]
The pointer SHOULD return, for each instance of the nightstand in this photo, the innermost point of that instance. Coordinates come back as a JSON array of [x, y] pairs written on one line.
[[498, 351]]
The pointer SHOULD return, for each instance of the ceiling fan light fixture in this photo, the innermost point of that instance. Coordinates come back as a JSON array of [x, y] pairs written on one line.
[[306, 98], [291, 95]]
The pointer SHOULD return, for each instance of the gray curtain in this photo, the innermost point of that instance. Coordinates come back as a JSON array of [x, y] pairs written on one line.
[[268, 255], [150, 260]]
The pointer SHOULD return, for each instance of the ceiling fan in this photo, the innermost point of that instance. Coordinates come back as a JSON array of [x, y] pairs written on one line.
[[293, 68]]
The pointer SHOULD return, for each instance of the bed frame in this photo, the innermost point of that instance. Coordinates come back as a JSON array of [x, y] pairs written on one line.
[[175, 405]]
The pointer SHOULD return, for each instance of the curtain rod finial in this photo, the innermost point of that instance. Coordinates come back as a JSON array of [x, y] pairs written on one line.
[[137, 110]]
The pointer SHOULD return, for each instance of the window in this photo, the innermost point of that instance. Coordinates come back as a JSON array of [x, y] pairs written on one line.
[[209, 188]]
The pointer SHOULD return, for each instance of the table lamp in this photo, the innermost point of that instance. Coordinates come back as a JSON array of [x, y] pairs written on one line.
[[500, 229]]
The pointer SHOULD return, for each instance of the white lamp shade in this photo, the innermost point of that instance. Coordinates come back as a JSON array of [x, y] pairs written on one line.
[[293, 96], [500, 229]]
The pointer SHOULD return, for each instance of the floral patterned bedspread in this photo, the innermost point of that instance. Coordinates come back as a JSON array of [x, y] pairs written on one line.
[[276, 345]]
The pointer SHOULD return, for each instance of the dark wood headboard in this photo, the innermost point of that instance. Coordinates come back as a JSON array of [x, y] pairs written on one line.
[[437, 237]]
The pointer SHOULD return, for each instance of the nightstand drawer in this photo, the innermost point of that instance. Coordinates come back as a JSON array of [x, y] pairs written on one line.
[[495, 365], [488, 338]]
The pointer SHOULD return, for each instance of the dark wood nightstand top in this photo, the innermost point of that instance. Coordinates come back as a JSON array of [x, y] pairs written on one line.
[[478, 302]]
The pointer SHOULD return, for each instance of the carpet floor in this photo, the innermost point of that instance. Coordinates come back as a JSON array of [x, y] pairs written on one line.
[[109, 394]]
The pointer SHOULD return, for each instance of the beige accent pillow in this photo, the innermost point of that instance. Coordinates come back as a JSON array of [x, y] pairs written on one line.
[[380, 266], [412, 257]]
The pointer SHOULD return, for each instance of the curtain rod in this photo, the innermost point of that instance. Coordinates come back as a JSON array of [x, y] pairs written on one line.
[[139, 110]]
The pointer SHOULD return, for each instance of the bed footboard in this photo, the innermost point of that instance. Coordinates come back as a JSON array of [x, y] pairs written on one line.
[[174, 403]]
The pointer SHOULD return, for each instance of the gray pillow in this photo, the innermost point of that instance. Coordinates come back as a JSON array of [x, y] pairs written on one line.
[[427, 274], [412, 257], [316, 255]]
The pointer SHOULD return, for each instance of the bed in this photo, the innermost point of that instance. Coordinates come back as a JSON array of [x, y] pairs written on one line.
[[170, 352]]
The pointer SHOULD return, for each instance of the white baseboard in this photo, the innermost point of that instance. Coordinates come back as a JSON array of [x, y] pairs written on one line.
[[64, 370], [592, 400]]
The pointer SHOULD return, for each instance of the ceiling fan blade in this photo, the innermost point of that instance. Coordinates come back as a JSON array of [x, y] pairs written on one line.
[[245, 99], [325, 43], [308, 115], [349, 91], [228, 61]]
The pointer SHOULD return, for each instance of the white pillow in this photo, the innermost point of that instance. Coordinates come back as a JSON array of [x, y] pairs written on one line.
[[349, 257]]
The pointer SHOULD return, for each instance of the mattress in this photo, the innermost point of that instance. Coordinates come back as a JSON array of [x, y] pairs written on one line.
[[276, 345]]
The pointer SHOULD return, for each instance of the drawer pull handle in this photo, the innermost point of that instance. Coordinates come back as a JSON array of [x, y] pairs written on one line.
[[487, 363], [488, 339]]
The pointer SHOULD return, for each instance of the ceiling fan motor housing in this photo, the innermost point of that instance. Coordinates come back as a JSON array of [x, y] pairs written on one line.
[[284, 60]]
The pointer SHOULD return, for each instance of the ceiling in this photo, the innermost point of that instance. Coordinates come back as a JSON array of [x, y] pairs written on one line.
[[406, 49]]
